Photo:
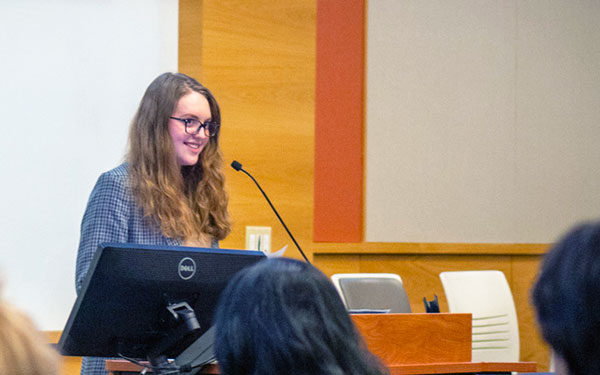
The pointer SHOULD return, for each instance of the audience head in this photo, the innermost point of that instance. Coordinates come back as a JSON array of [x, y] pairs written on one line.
[[23, 349], [567, 299], [283, 316]]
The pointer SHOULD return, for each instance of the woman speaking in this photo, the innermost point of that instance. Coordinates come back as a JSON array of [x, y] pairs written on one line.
[[170, 189]]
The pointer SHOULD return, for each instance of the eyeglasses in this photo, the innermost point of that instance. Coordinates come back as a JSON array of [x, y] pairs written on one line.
[[193, 126]]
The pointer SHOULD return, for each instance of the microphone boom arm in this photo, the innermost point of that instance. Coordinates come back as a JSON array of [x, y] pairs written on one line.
[[238, 167]]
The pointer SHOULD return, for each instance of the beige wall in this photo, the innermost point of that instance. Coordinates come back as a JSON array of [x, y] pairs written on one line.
[[482, 120]]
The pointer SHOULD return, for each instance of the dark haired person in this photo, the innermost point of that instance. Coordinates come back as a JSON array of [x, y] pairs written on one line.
[[170, 190], [283, 316], [567, 300]]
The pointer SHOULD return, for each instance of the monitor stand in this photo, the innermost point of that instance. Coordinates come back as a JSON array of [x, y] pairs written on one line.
[[200, 353], [186, 323]]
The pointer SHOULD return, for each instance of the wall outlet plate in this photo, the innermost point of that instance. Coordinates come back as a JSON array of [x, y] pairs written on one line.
[[258, 238]]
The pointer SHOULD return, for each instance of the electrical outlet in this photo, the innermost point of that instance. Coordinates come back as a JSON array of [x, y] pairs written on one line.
[[258, 238]]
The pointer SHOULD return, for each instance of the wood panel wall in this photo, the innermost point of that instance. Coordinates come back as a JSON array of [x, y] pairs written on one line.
[[258, 58]]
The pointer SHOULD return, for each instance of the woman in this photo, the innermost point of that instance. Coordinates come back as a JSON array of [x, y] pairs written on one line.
[[170, 190], [283, 316]]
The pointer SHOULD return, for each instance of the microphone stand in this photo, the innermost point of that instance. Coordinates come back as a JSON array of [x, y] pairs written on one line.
[[238, 167]]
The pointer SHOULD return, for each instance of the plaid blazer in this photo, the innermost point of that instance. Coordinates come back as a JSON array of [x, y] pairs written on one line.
[[112, 215]]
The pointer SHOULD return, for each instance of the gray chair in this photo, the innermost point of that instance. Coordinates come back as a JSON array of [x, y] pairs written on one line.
[[372, 291]]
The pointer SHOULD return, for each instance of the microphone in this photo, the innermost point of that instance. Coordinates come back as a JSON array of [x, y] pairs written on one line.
[[238, 167]]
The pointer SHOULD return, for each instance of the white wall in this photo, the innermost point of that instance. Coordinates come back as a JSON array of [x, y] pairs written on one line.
[[73, 73], [483, 119]]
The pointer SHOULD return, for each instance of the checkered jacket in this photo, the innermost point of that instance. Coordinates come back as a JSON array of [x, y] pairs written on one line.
[[111, 215]]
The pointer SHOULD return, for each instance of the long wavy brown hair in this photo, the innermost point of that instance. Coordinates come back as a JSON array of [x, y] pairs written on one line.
[[190, 202]]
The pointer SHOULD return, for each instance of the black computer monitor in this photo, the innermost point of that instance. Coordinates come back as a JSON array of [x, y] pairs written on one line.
[[132, 302]]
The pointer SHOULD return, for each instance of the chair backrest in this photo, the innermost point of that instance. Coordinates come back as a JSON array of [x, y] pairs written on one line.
[[372, 291], [487, 296]]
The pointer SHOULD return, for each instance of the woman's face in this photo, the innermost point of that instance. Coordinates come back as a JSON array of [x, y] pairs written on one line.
[[187, 146]]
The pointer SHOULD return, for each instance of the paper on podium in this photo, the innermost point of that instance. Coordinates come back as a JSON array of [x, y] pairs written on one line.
[[278, 254]]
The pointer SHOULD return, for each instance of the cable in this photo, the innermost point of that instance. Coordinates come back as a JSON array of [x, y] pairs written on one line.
[[145, 366], [170, 371]]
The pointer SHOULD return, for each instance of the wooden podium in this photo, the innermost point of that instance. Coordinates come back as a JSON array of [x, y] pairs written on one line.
[[427, 344], [407, 344], [417, 338]]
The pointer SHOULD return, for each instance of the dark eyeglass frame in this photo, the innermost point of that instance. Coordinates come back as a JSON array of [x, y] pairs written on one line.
[[211, 128]]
